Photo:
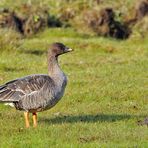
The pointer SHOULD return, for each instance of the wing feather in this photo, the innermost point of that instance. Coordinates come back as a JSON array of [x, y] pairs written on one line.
[[14, 90]]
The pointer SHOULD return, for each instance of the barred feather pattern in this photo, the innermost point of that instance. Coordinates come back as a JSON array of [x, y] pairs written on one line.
[[34, 92]]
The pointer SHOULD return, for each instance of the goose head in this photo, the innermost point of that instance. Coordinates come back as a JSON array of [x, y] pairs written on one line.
[[57, 49]]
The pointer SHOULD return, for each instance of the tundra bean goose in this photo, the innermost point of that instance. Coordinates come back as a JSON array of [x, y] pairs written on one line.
[[38, 92]]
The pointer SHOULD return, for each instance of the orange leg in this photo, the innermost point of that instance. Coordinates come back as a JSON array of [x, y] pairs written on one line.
[[34, 119], [26, 114]]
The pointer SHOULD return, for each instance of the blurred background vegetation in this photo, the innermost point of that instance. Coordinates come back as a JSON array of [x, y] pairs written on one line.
[[108, 18]]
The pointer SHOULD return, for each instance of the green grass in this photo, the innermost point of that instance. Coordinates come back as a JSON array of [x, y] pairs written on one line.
[[105, 97]]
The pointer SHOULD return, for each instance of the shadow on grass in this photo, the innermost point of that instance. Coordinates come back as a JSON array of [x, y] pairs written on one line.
[[12, 69], [88, 118], [34, 52]]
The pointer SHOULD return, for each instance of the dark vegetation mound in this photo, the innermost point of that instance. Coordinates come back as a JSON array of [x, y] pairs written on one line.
[[103, 23], [141, 9], [28, 20], [138, 13], [137, 19], [10, 20]]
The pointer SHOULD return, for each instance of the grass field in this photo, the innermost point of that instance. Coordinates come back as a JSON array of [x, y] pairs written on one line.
[[105, 97]]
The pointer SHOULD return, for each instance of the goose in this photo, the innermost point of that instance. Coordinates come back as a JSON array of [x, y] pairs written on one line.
[[37, 92]]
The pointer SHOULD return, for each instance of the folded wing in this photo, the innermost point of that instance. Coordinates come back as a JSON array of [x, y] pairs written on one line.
[[14, 90]]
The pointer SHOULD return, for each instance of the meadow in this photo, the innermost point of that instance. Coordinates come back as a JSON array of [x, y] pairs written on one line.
[[105, 98]]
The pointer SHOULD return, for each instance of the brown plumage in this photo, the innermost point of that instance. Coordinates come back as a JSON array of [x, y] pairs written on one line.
[[38, 92]]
